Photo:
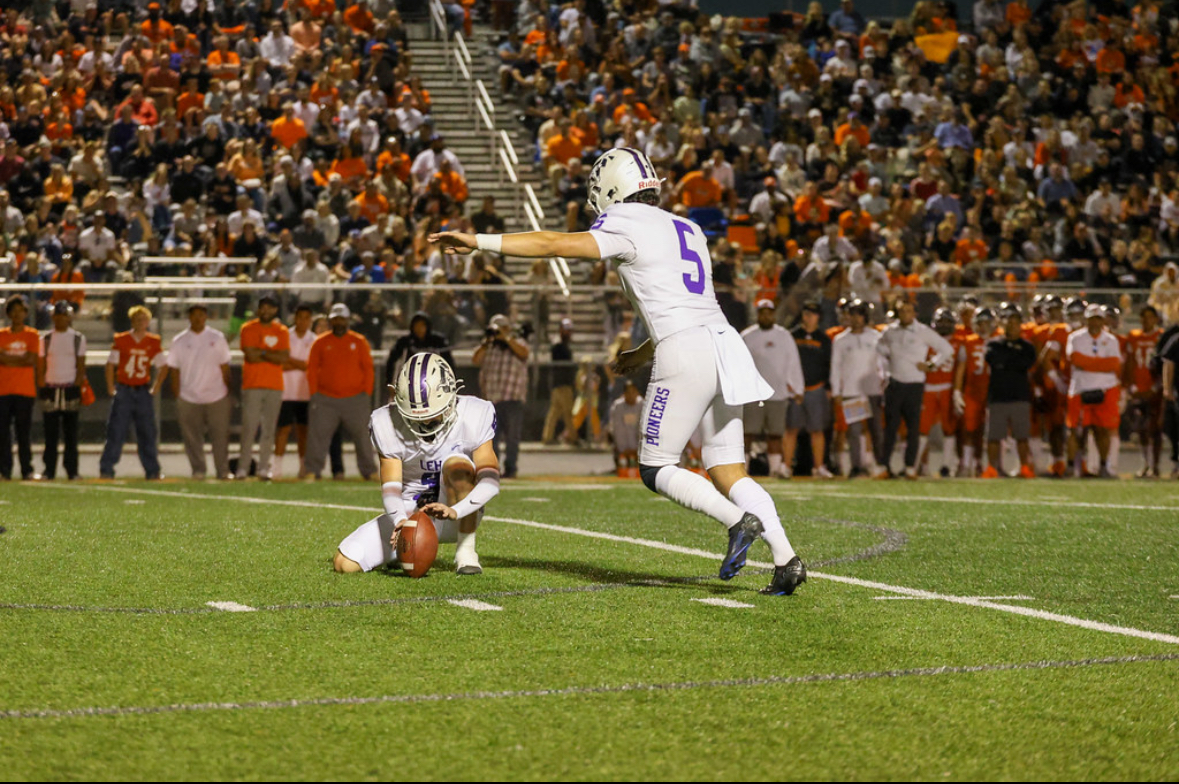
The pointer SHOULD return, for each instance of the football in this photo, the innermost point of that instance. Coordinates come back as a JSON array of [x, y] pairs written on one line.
[[417, 547]]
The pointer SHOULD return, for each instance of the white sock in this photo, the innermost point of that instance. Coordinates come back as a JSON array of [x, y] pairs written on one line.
[[276, 466], [753, 498], [696, 493], [844, 462], [1036, 448], [1115, 449], [949, 452], [922, 447], [775, 464], [968, 457], [464, 544]]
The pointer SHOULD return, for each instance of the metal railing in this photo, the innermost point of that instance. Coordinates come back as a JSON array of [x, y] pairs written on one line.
[[502, 153]]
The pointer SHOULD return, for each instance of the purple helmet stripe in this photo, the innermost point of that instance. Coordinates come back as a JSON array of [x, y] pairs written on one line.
[[422, 389], [639, 160], [412, 369]]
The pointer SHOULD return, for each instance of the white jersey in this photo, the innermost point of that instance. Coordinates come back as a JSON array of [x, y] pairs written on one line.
[[421, 461], [664, 266], [776, 356], [294, 382]]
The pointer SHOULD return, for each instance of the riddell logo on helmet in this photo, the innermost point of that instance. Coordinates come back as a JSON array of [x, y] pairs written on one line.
[[645, 184]]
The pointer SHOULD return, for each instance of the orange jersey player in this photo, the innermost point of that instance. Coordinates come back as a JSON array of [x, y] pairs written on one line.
[[937, 405], [1146, 401], [972, 375]]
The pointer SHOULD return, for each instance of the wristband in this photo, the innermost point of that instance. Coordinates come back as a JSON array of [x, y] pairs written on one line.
[[391, 499], [491, 242]]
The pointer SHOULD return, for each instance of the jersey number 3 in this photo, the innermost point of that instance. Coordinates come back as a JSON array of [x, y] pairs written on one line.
[[695, 285]]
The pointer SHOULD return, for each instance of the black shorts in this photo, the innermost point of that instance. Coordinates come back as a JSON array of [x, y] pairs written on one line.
[[293, 412]]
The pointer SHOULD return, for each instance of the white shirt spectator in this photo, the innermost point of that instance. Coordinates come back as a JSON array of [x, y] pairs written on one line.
[[763, 203], [855, 364], [426, 165], [97, 244], [239, 218], [825, 250], [370, 136], [199, 357], [1104, 346], [294, 382], [61, 361], [408, 120], [308, 112], [868, 281], [906, 349], [277, 49], [776, 356], [1098, 202], [11, 220], [318, 274]]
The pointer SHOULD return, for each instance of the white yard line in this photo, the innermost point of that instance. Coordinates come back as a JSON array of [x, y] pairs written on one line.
[[231, 607], [984, 501], [983, 598], [724, 603], [568, 691], [1068, 620], [474, 604]]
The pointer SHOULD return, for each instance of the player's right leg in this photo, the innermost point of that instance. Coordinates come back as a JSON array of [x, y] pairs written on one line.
[[458, 480], [682, 388]]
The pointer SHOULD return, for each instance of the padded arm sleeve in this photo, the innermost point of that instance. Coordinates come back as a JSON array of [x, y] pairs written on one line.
[[391, 498], [486, 488]]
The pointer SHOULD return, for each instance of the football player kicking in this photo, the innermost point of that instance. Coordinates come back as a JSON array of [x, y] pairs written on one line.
[[434, 443], [703, 372]]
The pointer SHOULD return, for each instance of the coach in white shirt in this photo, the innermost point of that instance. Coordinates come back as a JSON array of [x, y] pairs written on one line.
[[1094, 387], [868, 280], [776, 357], [905, 347], [856, 376], [199, 363]]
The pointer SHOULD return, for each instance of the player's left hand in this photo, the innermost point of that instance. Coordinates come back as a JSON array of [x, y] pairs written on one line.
[[440, 511], [455, 242]]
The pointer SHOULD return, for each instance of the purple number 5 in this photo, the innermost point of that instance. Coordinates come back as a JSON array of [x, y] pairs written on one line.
[[694, 285]]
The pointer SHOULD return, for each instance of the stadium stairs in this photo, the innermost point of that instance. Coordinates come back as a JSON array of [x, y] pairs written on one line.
[[455, 117]]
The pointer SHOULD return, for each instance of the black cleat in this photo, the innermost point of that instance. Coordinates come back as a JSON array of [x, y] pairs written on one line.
[[741, 538], [786, 578]]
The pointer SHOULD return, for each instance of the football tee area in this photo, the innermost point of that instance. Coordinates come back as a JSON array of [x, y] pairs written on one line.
[[949, 630]]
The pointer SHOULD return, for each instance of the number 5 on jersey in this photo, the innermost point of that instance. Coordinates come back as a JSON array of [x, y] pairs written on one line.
[[695, 285]]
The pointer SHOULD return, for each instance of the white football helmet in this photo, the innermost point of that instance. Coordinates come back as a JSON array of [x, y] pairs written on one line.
[[427, 395], [620, 173]]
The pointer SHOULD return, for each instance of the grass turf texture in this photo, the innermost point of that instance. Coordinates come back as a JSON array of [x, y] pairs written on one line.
[[89, 547]]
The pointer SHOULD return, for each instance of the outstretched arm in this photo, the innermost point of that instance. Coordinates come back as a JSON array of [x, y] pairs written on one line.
[[528, 244]]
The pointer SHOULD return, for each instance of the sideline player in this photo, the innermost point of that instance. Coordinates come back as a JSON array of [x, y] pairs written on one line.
[[1147, 402], [972, 377], [937, 404], [433, 443], [703, 372]]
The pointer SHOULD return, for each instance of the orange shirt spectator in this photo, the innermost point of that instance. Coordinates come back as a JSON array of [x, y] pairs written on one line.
[[561, 148], [135, 358], [268, 337], [811, 210], [288, 130], [1110, 60], [846, 130], [1126, 95], [1018, 13], [143, 110], [156, 32], [854, 224], [359, 18], [340, 367], [372, 204], [400, 162], [18, 379], [587, 137], [58, 130], [76, 296], [639, 108], [968, 250], [189, 100], [217, 61], [59, 191], [350, 168], [319, 9], [698, 189], [324, 95], [453, 185]]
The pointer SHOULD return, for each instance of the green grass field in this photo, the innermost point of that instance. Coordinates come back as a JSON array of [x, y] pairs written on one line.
[[950, 630]]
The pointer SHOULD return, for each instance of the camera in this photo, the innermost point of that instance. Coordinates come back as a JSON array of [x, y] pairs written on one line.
[[490, 332]]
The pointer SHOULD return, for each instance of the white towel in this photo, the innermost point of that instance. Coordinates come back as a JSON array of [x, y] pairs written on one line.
[[740, 382]]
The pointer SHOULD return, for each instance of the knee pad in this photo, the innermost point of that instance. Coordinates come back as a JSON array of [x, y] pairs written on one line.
[[648, 473]]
